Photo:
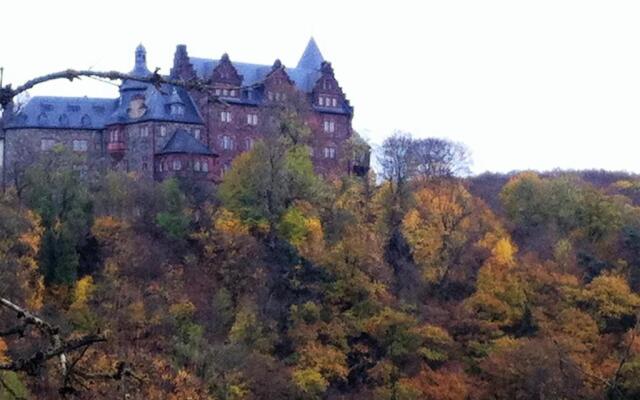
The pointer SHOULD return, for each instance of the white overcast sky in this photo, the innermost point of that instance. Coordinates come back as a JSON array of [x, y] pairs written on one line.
[[525, 84]]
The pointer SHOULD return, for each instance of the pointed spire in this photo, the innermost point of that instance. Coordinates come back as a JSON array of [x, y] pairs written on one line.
[[140, 67], [311, 58]]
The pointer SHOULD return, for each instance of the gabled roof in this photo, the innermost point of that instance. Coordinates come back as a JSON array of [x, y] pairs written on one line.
[[63, 113], [183, 142], [311, 58], [157, 103], [304, 75]]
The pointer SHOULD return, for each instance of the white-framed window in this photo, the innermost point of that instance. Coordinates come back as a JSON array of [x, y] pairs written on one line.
[[252, 119], [218, 92], [329, 152], [144, 131], [329, 126], [177, 109], [177, 165], [248, 143], [321, 101], [225, 116], [225, 92], [163, 130], [196, 133], [80, 145], [205, 166], [47, 144], [334, 102], [226, 143], [232, 93], [196, 166]]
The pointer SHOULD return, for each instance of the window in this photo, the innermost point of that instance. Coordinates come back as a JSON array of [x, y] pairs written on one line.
[[47, 144], [1, 153], [252, 119], [205, 166], [225, 92], [334, 102], [270, 95], [80, 145], [144, 131], [329, 152], [227, 143], [196, 134], [225, 116], [163, 130], [159, 167], [232, 93], [177, 109], [321, 101], [196, 166], [329, 126], [311, 152], [218, 92], [248, 143], [177, 165]]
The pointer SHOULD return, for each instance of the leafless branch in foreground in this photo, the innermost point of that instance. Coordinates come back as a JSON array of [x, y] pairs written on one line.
[[61, 348]]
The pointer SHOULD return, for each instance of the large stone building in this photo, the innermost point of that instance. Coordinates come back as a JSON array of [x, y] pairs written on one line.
[[167, 131]]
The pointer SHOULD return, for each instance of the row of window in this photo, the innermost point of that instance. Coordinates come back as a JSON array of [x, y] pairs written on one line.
[[327, 152], [227, 143], [176, 165], [143, 131], [326, 101], [277, 96], [226, 116], [77, 145], [226, 92]]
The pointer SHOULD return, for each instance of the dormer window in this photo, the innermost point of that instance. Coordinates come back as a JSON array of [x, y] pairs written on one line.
[[177, 109]]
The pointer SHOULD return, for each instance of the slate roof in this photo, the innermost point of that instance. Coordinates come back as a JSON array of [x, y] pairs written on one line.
[[183, 142], [158, 105], [305, 75], [311, 58], [63, 113]]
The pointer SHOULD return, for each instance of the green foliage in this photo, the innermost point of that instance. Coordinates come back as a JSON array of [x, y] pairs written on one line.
[[174, 220], [56, 191]]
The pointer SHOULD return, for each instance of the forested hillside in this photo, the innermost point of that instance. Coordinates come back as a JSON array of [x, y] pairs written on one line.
[[279, 284]]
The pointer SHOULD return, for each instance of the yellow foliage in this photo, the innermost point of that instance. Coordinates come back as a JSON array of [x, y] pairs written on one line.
[[228, 222], [108, 229], [3, 351], [330, 361], [83, 290], [610, 297], [182, 310]]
